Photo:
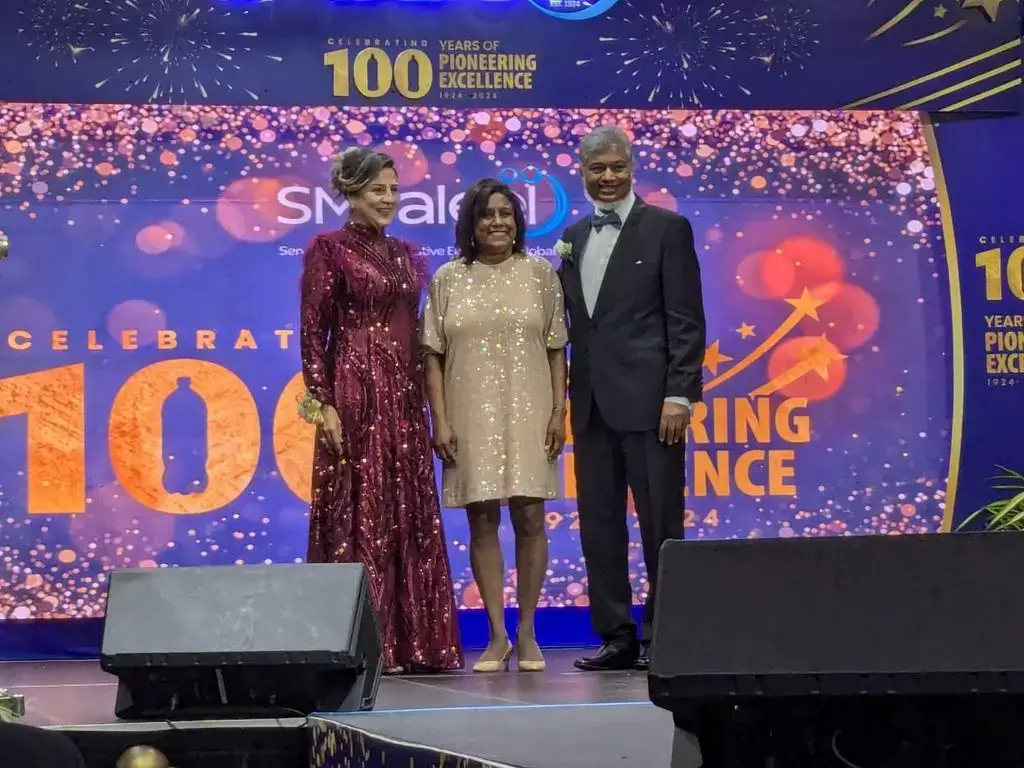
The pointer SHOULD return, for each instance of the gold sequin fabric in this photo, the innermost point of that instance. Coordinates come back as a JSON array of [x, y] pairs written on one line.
[[344, 745], [494, 325], [377, 503]]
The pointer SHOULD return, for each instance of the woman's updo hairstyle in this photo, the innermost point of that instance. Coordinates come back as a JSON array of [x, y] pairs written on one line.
[[355, 168]]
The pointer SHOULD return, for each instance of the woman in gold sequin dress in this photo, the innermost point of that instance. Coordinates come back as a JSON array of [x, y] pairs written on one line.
[[494, 332], [374, 491]]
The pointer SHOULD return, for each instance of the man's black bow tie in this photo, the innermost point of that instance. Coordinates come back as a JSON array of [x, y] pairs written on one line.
[[609, 219]]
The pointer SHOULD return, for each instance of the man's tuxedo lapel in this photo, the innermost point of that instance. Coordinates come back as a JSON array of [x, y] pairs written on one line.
[[579, 235], [616, 270], [580, 239]]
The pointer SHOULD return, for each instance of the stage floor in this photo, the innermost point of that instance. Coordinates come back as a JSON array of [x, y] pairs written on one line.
[[80, 693], [621, 734], [571, 718]]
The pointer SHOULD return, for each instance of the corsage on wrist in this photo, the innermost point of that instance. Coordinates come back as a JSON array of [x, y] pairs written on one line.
[[311, 409]]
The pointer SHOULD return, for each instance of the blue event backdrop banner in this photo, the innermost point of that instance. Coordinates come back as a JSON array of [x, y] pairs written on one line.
[[948, 55], [863, 269], [149, 367]]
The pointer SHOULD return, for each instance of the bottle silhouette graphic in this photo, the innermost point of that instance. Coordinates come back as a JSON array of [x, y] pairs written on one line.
[[184, 444]]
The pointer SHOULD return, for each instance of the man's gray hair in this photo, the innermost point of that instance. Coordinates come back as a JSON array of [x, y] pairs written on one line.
[[604, 139]]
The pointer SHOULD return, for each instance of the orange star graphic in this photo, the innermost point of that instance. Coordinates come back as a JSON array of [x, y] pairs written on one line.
[[820, 367], [745, 331], [806, 305], [820, 358], [713, 358]]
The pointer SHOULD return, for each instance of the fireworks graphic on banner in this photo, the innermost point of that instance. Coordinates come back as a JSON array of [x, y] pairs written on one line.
[[784, 37], [686, 52], [176, 49], [59, 31]]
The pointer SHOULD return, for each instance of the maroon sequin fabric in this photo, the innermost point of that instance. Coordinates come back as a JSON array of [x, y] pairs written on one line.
[[377, 503]]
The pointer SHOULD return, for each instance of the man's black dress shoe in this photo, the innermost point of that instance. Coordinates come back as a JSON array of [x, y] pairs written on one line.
[[610, 656], [643, 660]]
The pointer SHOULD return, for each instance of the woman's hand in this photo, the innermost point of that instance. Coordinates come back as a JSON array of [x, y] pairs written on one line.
[[446, 443], [554, 442], [330, 429]]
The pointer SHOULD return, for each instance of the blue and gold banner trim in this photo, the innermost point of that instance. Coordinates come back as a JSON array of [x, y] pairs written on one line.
[[978, 164], [939, 55]]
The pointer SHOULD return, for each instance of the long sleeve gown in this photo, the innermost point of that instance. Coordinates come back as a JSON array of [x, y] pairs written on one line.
[[377, 503]]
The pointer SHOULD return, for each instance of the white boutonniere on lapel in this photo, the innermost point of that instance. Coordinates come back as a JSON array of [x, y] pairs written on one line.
[[564, 251]]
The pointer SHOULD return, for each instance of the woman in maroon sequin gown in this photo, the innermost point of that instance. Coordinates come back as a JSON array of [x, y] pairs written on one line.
[[374, 493]]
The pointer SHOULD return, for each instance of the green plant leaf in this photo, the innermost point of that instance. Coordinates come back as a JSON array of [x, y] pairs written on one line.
[[1009, 515], [1005, 514]]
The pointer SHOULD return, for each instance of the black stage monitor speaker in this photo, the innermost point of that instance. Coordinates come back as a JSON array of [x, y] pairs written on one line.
[[883, 643], [241, 641]]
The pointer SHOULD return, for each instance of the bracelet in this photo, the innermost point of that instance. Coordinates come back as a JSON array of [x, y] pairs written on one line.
[[311, 409]]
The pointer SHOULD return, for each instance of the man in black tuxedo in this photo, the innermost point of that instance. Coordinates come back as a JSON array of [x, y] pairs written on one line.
[[633, 297]]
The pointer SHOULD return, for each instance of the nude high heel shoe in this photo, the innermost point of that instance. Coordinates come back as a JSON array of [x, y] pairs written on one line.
[[501, 665], [526, 665]]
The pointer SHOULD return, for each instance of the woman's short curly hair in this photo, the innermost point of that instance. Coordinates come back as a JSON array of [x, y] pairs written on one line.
[[356, 167]]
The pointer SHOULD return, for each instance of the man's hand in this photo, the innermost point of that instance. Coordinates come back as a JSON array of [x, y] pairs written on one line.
[[675, 418]]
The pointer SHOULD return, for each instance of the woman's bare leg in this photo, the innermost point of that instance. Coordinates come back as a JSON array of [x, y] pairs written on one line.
[[531, 568], [489, 572]]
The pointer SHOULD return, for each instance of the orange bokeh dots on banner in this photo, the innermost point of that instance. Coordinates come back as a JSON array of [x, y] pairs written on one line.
[[815, 262], [175, 231], [787, 269], [811, 384], [153, 240], [248, 209], [659, 197], [159, 238], [766, 275], [411, 164], [138, 317], [483, 127], [849, 317]]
